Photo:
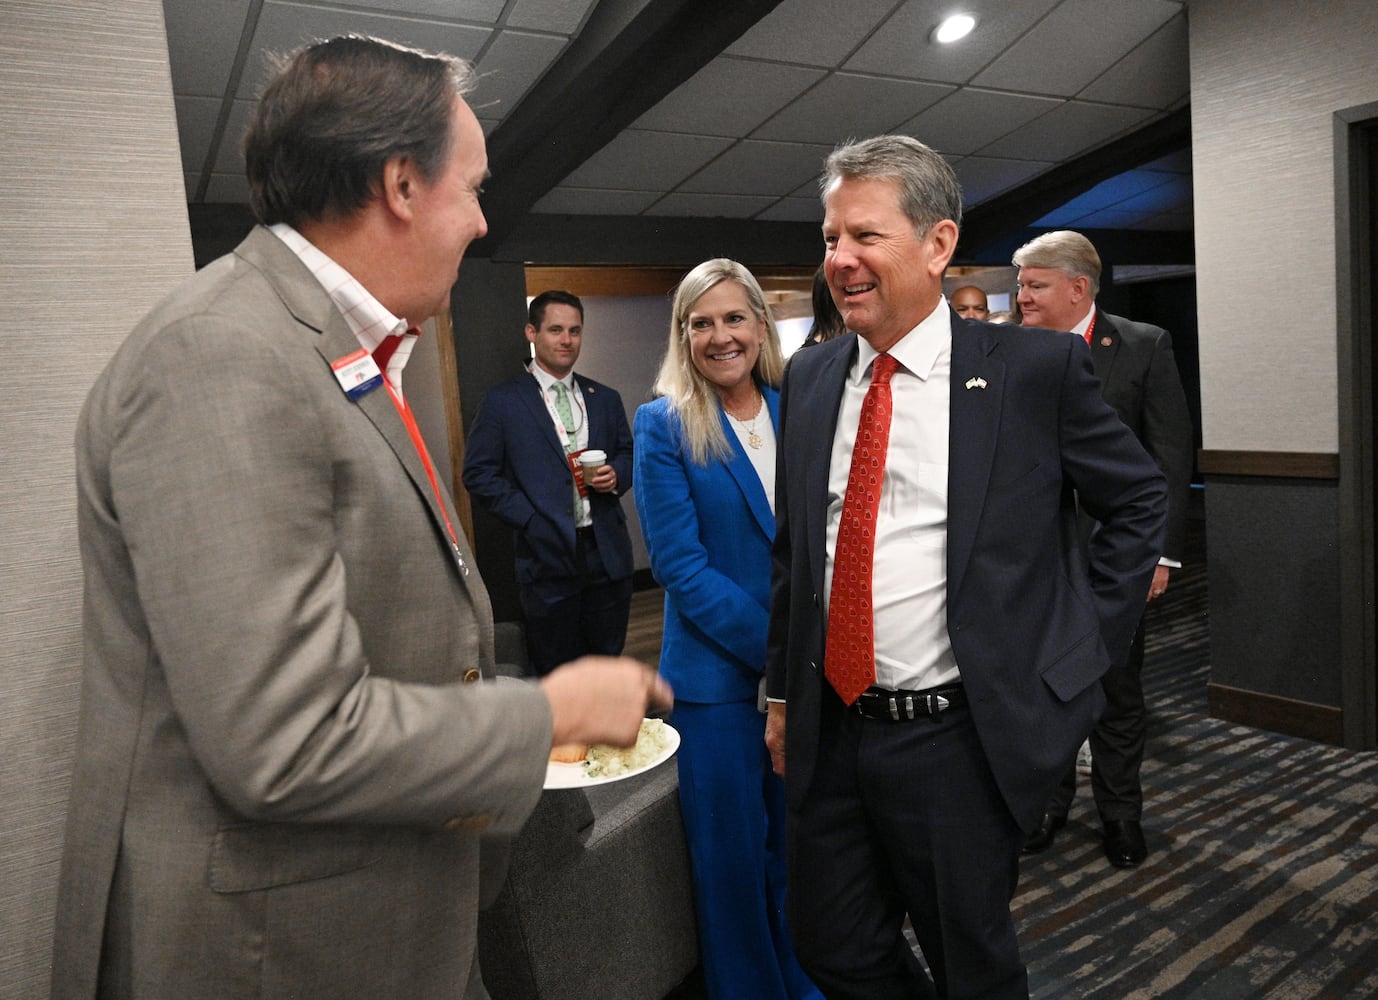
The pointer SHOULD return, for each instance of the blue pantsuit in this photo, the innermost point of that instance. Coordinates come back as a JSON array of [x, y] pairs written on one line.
[[709, 530]]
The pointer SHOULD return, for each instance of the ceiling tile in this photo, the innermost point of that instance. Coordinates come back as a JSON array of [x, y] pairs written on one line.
[[753, 167], [1108, 218], [902, 46], [202, 40], [968, 119], [811, 31], [563, 16], [711, 206], [796, 210], [646, 161], [1067, 131], [1112, 191], [196, 118], [592, 201], [461, 10], [1154, 75], [514, 61], [729, 97], [1059, 57], [283, 27], [984, 177], [846, 106]]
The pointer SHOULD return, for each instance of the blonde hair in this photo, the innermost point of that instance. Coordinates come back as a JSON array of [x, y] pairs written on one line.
[[1066, 251], [691, 396]]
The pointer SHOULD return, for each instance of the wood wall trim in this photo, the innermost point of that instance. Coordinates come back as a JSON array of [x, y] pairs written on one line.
[[1280, 464], [1308, 720], [454, 421], [623, 281]]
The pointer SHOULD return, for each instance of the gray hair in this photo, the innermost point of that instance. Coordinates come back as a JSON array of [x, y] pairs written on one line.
[[929, 192], [1066, 251], [335, 112], [690, 394]]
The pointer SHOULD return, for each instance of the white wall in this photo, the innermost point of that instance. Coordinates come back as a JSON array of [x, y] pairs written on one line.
[[1267, 77], [93, 231], [624, 342]]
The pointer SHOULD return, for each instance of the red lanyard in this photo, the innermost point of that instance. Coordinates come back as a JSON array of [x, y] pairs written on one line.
[[415, 433]]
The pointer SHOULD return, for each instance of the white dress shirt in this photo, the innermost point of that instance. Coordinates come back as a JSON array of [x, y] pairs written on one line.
[[909, 577], [573, 441], [368, 318]]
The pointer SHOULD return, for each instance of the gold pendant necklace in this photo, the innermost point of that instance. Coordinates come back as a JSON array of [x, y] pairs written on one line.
[[753, 439]]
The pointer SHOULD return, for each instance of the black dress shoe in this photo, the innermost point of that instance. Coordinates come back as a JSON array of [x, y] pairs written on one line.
[[1124, 843], [1042, 838]]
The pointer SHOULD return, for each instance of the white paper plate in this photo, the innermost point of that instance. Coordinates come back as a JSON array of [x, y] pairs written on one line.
[[558, 775]]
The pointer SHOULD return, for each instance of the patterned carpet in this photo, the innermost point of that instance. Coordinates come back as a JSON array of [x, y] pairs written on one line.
[[1262, 881]]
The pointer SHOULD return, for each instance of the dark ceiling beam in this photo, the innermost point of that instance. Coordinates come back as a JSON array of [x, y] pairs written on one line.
[[629, 55], [1116, 247], [665, 241], [986, 228]]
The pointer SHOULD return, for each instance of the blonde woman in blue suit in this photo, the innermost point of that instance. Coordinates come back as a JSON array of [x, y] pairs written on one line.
[[705, 474]]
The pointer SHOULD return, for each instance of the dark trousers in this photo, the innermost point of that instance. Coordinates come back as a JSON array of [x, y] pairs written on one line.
[[1117, 745], [573, 617], [904, 818]]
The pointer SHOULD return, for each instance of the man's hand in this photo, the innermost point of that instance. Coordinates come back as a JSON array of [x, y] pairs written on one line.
[[602, 699], [604, 479], [1159, 584], [775, 735]]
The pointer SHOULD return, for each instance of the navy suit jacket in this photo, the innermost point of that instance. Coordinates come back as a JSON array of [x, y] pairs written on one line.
[[709, 530], [515, 466], [1033, 625], [1139, 378]]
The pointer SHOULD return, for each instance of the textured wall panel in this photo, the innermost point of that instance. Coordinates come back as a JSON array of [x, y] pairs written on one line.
[[93, 231], [1266, 78]]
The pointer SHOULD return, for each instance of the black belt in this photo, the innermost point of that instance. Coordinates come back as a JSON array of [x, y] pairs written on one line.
[[903, 706]]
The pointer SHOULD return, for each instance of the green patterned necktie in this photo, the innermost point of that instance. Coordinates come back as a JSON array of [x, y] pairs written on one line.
[[566, 414]]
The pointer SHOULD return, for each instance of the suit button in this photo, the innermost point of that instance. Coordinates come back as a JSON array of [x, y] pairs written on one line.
[[471, 675]]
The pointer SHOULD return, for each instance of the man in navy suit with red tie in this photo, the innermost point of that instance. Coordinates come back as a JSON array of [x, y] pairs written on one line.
[[937, 639], [574, 554]]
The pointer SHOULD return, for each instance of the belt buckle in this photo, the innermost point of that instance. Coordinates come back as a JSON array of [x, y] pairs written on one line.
[[936, 703]]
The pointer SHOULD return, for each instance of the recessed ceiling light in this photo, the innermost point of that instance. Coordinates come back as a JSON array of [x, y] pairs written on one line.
[[955, 27]]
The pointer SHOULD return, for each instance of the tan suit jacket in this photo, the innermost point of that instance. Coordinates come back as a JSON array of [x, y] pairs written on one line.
[[281, 772]]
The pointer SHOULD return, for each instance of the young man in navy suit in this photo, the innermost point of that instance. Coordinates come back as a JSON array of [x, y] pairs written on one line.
[[931, 679], [522, 463], [1059, 276]]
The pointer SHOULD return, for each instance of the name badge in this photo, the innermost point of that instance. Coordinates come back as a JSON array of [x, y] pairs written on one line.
[[357, 373]]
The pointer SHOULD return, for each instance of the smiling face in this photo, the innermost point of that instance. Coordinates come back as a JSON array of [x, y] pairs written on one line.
[[556, 344], [884, 278], [1052, 298], [447, 216], [725, 336]]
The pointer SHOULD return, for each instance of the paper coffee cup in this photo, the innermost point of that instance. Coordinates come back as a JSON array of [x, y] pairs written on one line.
[[591, 459]]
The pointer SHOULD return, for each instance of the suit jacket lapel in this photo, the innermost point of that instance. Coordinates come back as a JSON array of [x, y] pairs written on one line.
[[741, 470], [1103, 354], [973, 429], [309, 304], [534, 398], [821, 403]]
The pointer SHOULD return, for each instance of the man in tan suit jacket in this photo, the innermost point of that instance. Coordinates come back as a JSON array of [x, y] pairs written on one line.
[[284, 765]]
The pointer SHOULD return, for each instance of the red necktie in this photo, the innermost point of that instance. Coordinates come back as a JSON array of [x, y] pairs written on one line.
[[849, 659]]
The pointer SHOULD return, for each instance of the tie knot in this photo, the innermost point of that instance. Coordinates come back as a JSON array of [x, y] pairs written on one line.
[[882, 368], [386, 348]]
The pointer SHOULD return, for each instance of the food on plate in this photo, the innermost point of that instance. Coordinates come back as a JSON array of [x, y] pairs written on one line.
[[569, 753], [610, 762]]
